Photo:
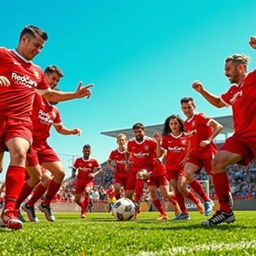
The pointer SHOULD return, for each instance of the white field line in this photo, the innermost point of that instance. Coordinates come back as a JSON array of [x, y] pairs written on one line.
[[183, 250]]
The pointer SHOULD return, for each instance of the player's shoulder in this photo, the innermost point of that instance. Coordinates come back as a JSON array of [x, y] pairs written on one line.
[[149, 139]]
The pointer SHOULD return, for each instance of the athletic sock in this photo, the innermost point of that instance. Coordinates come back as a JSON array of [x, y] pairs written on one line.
[[221, 185], [51, 192], [181, 202], [86, 202], [159, 207], [138, 189], [15, 178], [37, 194], [198, 188], [25, 191]]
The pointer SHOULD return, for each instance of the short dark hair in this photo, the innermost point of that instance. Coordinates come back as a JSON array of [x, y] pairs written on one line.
[[138, 126], [239, 59], [33, 31], [186, 100], [167, 129], [86, 146], [54, 69]]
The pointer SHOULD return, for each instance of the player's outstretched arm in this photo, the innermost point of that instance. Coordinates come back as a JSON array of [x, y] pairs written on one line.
[[252, 42], [211, 98], [65, 131], [81, 92]]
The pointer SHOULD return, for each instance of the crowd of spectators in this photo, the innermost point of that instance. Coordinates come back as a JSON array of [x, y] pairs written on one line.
[[242, 180]]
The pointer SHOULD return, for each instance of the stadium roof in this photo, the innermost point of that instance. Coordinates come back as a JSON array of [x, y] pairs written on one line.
[[226, 121]]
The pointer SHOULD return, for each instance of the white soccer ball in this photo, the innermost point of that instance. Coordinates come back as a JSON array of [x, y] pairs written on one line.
[[123, 209]]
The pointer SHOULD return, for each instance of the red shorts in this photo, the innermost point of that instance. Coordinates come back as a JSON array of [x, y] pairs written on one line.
[[205, 163], [122, 180], [174, 174], [245, 147], [158, 181], [131, 181], [82, 184], [12, 128], [41, 153]]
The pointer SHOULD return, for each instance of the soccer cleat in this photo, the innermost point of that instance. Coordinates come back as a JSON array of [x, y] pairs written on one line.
[[200, 207], [10, 219], [46, 209], [20, 217], [30, 210], [208, 207], [181, 216], [162, 217], [218, 218]]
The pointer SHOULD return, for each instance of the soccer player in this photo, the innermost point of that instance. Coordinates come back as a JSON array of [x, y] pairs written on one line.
[[19, 81], [44, 116], [116, 163], [141, 158], [88, 168], [174, 145], [201, 131], [240, 147]]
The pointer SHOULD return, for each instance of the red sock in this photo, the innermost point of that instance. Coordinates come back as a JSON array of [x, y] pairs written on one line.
[[86, 202], [138, 189], [117, 196], [221, 185], [173, 199], [37, 194], [191, 196], [198, 188], [14, 179], [181, 202], [159, 206], [51, 192], [25, 191], [81, 204]]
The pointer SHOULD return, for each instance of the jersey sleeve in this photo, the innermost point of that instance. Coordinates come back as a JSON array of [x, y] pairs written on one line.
[[227, 96], [203, 119], [57, 120], [75, 164], [111, 156]]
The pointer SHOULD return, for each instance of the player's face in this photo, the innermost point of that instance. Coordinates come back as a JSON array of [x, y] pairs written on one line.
[[188, 109], [86, 152], [52, 79], [231, 72], [121, 141], [175, 126], [139, 134], [31, 46]]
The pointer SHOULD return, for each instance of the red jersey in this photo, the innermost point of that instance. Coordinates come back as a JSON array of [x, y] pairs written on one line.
[[85, 167], [44, 115], [176, 148], [16, 100], [118, 158], [198, 129], [142, 153], [242, 98], [111, 193]]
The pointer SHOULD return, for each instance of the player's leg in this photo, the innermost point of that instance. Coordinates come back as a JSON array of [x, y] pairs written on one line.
[[189, 169], [15, 177], [157, 203], [117, 188], [141, 176], [88, 189], [38, 192], [221, 185], [77, 198], [182, 187], [58, 172]]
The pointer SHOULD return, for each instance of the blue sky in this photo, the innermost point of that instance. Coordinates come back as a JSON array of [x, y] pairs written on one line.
[[142, 56]]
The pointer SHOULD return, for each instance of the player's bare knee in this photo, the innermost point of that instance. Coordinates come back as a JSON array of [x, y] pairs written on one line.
[[18, 157]]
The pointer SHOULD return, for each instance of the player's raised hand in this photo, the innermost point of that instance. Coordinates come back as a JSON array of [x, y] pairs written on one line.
[[198, 86], [76, 131], [252, 42], [83, 91], [157, 137], [4, 81]]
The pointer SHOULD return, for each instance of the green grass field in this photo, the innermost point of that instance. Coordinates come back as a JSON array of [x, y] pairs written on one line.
[[99, 234]]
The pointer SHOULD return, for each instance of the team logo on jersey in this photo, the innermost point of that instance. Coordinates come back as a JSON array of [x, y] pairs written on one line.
[[146, 147], [183, 142], [193, 124], [90, 164], [36, 74]]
